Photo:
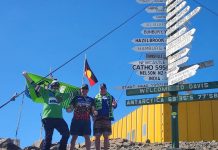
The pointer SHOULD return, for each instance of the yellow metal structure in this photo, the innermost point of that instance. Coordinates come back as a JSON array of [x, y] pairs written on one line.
[[197, 121]]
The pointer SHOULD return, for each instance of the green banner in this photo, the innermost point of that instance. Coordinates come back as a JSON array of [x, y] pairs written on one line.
[[44, 83]]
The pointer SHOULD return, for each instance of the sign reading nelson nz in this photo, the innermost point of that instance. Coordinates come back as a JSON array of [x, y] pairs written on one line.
[[171, 88]]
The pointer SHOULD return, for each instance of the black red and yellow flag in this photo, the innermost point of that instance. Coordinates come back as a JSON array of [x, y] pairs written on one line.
[[89, 74]]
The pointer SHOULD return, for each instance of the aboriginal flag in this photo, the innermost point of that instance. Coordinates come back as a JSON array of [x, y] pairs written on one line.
[[89, 74]]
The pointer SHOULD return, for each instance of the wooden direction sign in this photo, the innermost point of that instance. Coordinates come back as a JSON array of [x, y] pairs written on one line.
[[180, 39], [173, 72], [177, 17], [155, 78], [178, 62], [172, 88], [155, 56], [149, 48], [179, 46], [182, 75], [176, 10], [176, 35], [156, 9], [153, 32], [151, 65], [183, 21], [151, 73], [173, 5], [125, 87], [173, 99], [148, 40], [168, 2], [150, 1], [159, 17], [154, 24], [202, 65], [178, 55]]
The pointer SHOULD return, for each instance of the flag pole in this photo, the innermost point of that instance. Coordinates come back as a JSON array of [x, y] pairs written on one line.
[[83, 76]]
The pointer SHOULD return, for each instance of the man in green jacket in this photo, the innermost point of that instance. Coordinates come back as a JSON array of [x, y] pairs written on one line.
[[52, 117], [104, 105]]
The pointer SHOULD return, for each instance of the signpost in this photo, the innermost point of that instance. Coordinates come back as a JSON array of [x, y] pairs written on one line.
[[176, 35], [180, 39], [150, 1], [178, 62], [153, 32], [176, 10], [149, 48], [182, 75], [173, 88], [148, 40], [183, 21], [179, 46], [173, 99], [159, 17], [178, 55], [173, 5], [156, 9], [150, 56], [155, 67], [125, 87], [154, 24]]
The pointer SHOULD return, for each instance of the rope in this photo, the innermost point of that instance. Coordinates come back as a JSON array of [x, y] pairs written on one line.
[[68, 61], [19, 118]]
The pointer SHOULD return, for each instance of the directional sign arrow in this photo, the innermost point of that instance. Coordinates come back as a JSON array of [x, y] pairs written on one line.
[[153, 24], [150, 1], [168, 2], [182, 75], [176, 35], [183, 20], [156, 9], [125, 87], [176, 10], [173, 5], [202, 65], [173, 99], [177, 17], [153, 32], [172, 72], [180, 39], [155, 56], [159, 17], [179, 87], [179, 46], [178, 62], [155, 78], [149, 48], [148, 40], [178, 55]]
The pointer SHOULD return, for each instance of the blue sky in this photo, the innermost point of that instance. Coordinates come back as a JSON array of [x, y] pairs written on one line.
[[37, 35]]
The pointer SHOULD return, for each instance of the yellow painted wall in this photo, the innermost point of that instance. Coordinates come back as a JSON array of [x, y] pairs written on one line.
[[158, 120], [133, 126], [197, 121], [124, 129], [144, 123], [129, 128], [139, 124], [119, 129], [151, 123]]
